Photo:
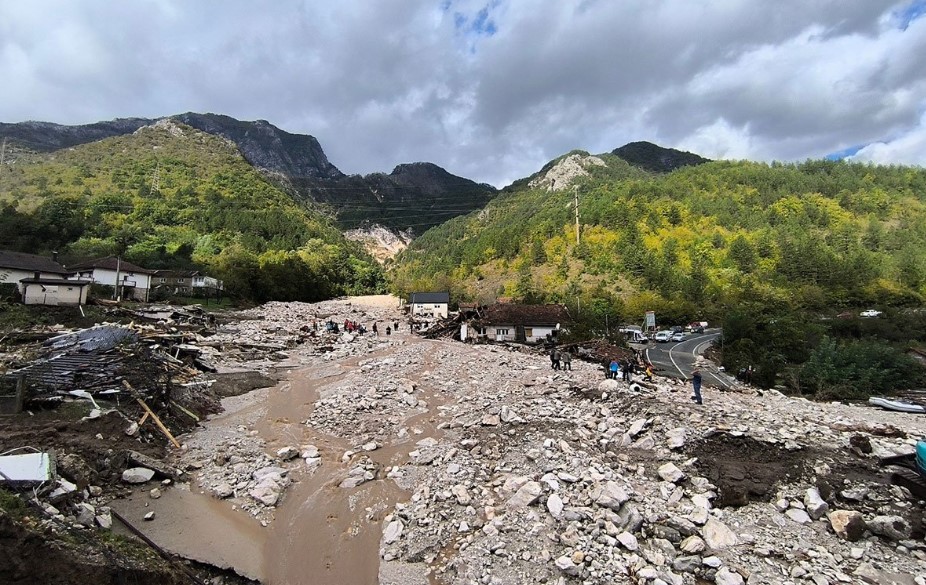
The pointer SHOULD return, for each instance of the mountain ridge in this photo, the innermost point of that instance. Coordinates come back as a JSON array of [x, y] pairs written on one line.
[[297, 163]]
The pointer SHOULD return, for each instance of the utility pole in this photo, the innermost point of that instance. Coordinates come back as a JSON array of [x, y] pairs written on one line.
[[116, 295], [575, 191]]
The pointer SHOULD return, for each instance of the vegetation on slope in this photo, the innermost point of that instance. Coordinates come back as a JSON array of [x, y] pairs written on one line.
[[169, 196], [702, 242]]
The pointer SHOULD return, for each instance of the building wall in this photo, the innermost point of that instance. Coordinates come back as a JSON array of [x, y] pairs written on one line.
[[14, 275], [136, 285], [37, 294], [503, 332], [437, 310]]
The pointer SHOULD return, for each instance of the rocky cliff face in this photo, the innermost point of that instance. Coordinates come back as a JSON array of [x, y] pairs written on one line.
[[413, 198], [294, 156]]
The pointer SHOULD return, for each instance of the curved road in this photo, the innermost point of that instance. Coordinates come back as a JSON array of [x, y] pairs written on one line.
[[677, 359]]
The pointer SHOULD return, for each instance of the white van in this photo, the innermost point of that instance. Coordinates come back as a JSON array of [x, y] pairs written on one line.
[[634, 336]]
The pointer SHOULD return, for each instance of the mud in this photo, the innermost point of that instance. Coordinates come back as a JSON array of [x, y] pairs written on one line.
[[744, 469], [31, 555], [86, 450]]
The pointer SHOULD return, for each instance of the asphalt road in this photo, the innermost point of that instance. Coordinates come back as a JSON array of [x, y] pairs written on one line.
[[677, 359]]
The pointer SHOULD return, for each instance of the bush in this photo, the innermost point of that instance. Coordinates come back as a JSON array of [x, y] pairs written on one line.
[[857, 370]]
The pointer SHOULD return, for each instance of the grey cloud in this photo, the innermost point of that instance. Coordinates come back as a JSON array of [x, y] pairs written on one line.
[[382, 83]]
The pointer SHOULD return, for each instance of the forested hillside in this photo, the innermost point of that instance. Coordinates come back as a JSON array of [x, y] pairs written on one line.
[[769, 244], [170, 196]]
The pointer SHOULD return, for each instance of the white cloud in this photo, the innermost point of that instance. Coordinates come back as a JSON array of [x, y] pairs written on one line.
[[909, 148], [489, 89]]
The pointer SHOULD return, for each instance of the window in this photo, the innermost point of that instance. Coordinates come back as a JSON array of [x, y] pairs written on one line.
[[501, 332], [163, 279], [437, 306], [180, 280], [528, 332]]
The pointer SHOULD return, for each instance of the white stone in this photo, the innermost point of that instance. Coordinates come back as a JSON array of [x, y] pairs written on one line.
[[890, 527], [526, 495], [693, 544], [799, 516], [309, 452], [670, 472], [149, 516], [628, 541], [371, 446], [677, 437], [393, 531], [555, 505], [461, 494], [137, 475], [287, 453], [725, 576], [565, 564], [611, 495], [718, 535]]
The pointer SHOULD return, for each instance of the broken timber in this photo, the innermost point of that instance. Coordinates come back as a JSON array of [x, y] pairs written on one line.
[[150, 412]]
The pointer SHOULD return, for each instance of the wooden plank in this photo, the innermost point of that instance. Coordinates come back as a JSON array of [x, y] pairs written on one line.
[[154, 417]]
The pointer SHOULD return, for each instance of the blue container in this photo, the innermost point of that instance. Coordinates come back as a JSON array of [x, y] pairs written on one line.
[[921, 457]]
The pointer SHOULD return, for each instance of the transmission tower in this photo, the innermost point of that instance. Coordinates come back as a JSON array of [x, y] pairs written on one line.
[[156, 179]]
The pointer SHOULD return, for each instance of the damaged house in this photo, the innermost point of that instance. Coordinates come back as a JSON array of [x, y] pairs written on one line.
[[514, 322]]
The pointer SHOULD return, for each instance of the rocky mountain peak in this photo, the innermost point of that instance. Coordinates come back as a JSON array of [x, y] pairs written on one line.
[[655, 158], [565, 171]]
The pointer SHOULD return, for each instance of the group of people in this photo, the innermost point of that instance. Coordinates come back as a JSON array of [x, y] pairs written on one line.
[[560, 360], [354, 327], [389, 328], [624, 370]]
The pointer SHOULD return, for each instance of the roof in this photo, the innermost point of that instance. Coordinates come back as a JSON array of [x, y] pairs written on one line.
[[109, 263], [505, 313], [56, 281], [30, 262], [430, 297], [177, 273]]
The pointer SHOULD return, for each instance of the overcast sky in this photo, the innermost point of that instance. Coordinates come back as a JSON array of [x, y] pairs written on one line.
[[490, 91]]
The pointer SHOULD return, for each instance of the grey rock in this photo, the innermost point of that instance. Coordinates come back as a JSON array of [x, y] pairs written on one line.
[[565, 564], [890, 527], [611, 495], [223, 490], [686, 564], [814, 504]]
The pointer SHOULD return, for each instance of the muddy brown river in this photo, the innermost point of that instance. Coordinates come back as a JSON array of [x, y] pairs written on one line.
[[322, 533]]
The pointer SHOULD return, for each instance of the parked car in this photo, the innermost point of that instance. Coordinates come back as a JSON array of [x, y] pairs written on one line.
[[680, 336], [663, 336], [677, 329], [870, 313]]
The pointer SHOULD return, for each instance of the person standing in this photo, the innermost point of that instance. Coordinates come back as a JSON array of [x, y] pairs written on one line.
[[388, 330], [555, 356], [567, 361], [628, 373], [375, 330], [613, 370], [696, 384]]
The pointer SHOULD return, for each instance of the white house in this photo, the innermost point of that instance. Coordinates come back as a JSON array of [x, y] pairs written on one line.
[[429, 305], [54, 291], [15, 266], [513, 322], [132, 282]]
